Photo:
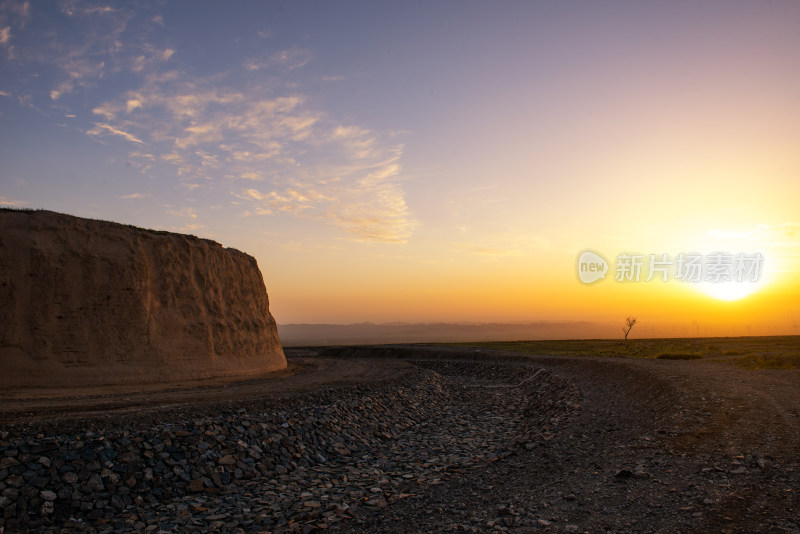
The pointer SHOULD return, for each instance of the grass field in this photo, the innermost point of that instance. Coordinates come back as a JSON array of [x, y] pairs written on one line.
[[778, 352]]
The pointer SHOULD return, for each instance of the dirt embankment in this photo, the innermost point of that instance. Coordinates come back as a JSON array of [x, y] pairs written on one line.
[[88, 302]]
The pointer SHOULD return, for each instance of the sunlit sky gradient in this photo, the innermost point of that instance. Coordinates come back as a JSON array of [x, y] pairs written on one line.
[[425, 161]]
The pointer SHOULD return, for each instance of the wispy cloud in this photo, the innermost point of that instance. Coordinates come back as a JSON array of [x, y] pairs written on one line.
[[292, 58], [82, 42], [149, 57], [13, 16], [77, 72], [244, 133], [297, 160], [294, 199], [189, 213], [101, 129], [188, 228], [5, 201], [21, 11], [98, 10], [134, 196]]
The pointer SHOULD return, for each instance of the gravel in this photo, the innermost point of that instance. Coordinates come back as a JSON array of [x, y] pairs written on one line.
[[457, 445], [301, 465]]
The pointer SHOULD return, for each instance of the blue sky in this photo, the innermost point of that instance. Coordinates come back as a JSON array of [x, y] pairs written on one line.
[[380, 157]]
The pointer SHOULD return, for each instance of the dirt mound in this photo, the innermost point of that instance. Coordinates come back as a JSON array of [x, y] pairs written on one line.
[[88, 302]]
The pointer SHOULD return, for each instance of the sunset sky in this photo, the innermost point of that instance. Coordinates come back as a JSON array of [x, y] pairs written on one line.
[[426, 161]]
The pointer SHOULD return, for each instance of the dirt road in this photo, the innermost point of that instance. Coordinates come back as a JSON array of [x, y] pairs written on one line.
[[305, 373], [652, 446], [657, 446]]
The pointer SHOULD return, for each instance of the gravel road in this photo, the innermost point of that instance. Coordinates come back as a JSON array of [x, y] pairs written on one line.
[[417, 439]]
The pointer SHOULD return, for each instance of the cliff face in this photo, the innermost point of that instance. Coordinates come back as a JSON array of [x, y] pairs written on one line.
[[85, 302]]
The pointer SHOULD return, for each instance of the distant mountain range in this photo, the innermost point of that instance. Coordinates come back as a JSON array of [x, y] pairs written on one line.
[[295, 335]]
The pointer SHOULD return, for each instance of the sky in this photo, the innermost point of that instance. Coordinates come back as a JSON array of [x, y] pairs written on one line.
[[433, 160]]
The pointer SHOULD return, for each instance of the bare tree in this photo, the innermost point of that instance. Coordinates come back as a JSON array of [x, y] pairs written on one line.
[[629, 322]]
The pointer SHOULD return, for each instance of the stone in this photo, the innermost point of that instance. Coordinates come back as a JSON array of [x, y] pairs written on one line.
[[96, 483], [8, 462], [398, 437], [47, 508]]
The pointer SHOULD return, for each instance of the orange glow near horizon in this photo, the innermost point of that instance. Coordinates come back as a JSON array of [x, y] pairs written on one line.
[[451, 177], [531, 289]]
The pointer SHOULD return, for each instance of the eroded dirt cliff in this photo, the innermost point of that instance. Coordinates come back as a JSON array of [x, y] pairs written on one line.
[[86, 302]]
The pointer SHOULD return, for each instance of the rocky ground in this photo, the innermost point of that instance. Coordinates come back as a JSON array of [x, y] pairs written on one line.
[[452, 441]]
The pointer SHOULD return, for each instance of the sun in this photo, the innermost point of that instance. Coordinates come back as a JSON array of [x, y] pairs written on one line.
[[734, 289], [729, 291]]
